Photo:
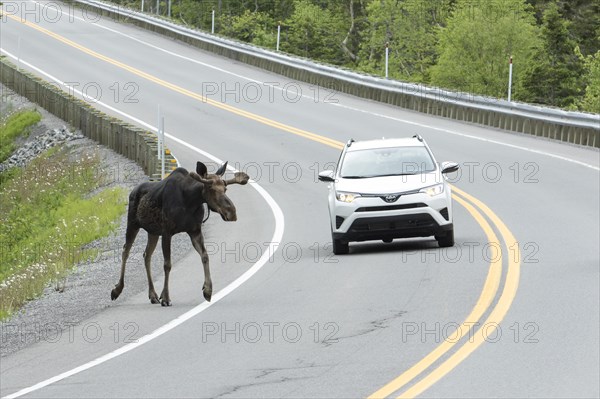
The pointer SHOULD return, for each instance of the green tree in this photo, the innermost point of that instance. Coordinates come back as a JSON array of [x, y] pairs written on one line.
[[196, 13], [583, 17], [555, 76], [252, 27], [314, 32], [477, 42], [353, 14], [591, 99], [409, 28]]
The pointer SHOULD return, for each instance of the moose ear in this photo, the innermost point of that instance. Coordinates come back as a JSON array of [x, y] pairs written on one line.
[[201, 169], [221, 170]]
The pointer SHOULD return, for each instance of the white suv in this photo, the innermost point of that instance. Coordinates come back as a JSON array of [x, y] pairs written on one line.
[[386, 189]]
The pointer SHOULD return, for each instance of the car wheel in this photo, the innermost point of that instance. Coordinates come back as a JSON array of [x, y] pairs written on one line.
[[446, 240], [340, 247]]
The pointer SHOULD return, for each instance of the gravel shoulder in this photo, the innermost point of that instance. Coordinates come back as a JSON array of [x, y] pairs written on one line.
[[86, 290]]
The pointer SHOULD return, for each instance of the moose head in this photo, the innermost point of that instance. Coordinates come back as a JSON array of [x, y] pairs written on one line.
[[215, 188]]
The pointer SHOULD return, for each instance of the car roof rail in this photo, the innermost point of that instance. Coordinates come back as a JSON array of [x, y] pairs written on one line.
[[418, 137], [349, 143]]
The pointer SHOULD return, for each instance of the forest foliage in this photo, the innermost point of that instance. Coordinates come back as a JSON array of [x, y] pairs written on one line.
[[460, 45]]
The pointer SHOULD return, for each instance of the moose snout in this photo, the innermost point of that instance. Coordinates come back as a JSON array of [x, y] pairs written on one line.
[[229, 215], [227, 210]]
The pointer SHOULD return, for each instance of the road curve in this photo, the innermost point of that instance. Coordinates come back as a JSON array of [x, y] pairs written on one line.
[[386, 320]]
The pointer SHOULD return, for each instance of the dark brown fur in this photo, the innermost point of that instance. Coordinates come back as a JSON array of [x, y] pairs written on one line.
[[176, 205]]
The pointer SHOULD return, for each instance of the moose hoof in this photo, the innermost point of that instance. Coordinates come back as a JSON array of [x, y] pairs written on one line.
[[165, 301], [207, 294], [114, 294], [154, 299]]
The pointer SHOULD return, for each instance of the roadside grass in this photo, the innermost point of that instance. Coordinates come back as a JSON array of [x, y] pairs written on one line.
[[16, 125], [49, 211]]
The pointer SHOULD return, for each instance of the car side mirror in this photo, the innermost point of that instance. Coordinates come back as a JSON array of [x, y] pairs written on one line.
[[327, 176], [449, 167]]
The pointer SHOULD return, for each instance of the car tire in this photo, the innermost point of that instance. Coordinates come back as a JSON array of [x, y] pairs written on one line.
[[447, 240], [340, 247]]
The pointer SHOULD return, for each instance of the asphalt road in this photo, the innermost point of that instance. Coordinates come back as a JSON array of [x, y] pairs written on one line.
[[306, 323]]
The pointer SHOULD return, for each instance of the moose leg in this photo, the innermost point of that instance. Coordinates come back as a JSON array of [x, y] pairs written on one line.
[[166, 248], [130, 235], [198, 243], [150, 246]]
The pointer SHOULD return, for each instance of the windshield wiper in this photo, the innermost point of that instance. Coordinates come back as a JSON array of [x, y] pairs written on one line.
[[386, 175], [397, 174], [370, 176]]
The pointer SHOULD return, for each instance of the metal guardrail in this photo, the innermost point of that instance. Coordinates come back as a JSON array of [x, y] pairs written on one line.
[[574, 127]]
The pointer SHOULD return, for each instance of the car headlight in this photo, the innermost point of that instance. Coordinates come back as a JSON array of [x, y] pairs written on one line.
[[433, 190], [346, 197]]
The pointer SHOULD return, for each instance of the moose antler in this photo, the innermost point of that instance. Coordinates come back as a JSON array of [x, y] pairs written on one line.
[[238, 178]]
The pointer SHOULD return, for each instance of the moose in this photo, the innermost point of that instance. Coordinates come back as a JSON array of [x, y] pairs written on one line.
[[176, 205]]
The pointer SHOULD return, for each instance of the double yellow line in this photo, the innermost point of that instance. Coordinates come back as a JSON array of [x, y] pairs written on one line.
[[485, 301], [475, 207]]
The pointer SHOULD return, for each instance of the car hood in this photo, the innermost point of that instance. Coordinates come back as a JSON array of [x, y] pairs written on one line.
[[388, 184]]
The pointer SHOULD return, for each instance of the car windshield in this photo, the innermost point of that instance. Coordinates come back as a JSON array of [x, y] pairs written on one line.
[[394, 161]]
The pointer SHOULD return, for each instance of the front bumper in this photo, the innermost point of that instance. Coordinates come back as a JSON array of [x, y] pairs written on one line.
[[390, 227], [412, 216]]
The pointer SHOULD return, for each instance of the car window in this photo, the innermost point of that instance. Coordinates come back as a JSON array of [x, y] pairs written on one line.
[[386, 161]]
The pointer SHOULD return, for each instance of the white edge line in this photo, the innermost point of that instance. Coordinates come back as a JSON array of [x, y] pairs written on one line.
[[336, 104], [277, 87], [275, 241]]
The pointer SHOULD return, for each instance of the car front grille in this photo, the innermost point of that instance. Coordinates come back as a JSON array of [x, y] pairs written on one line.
[[400, 222], [390, 207]]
